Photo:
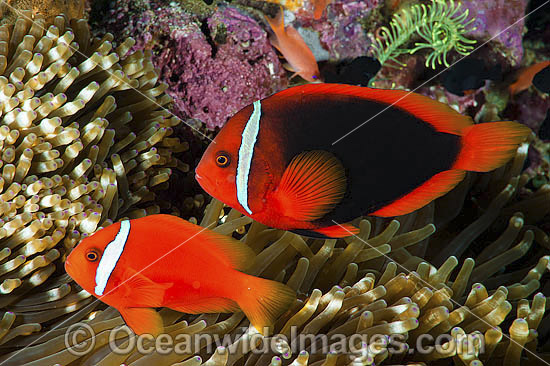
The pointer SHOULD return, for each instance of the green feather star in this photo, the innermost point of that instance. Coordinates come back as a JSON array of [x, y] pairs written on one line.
[[441, 26]]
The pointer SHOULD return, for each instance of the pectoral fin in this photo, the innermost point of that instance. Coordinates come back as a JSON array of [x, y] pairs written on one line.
[[140, 291], [313, 184], [329, 232]]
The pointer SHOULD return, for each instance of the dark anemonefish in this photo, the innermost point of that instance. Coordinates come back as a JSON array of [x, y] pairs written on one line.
[[283, 161], [541, 80], [164, 261], [468, 75]]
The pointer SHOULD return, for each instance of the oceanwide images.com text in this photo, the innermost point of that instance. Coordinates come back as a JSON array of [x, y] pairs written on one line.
[[80, 339]]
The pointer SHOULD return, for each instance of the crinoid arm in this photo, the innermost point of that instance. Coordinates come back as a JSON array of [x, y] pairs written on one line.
[[441, 26]]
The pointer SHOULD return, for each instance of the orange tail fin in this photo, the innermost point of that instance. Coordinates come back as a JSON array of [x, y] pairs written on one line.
[[263, 301], [487, 146]]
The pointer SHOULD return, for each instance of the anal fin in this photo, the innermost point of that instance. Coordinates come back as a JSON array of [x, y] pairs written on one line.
[[206, 305], [433, 188], [329, 232], [142, 320], [338, 231]]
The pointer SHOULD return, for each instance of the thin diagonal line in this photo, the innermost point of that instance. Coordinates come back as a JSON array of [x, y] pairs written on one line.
[[76, 51], [436, 75], [111, 290], [435, 289]]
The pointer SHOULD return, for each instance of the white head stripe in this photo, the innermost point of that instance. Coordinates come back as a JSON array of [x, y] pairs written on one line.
[[246, 152], [110, 257]]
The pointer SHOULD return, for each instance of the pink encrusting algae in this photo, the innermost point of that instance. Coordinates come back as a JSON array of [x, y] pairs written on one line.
[[214, 66]]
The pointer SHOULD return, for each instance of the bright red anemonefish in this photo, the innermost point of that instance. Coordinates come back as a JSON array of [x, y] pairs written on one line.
[[281, 161], [164, 261]]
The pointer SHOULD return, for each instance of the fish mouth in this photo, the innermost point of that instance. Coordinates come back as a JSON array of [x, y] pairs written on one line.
[[69, 268], [204, 181]]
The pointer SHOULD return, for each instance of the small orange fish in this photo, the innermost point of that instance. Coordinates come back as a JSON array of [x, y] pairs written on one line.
[[525, 78], [291, 44], [164, 261], [319, 7]]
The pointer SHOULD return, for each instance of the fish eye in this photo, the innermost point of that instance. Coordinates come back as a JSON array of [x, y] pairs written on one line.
[[223, 160], [92, 255]]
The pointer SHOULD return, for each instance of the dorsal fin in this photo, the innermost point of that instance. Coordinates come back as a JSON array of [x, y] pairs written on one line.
[[439, 115], [229, 251]]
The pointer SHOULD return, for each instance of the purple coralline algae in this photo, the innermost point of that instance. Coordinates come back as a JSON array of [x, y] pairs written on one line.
[[529, 108], [500, 23], [214, 66], [340, 28], [467, 104]]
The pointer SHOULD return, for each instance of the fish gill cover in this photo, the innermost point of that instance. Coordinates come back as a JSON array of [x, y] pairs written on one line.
[[81, 148]]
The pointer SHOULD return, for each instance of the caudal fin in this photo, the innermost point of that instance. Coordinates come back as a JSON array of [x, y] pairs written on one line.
[[263, 301], [487, 146]]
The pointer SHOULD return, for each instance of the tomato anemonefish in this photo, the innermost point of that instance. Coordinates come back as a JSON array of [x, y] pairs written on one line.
[[162, 260], [280, 160]]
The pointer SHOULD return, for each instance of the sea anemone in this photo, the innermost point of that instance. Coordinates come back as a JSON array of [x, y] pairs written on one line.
[[375, 284], [77, 154], [84, 141], [48, 9]]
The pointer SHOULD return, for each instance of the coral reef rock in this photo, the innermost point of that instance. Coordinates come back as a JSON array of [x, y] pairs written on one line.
[[501, 23], [340, 28], [214, 66]]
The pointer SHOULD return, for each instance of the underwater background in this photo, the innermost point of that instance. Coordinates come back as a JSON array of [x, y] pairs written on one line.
[[107, 106]]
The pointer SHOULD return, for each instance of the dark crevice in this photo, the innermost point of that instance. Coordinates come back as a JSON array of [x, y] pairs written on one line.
[[255, 61], [206, 31]]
